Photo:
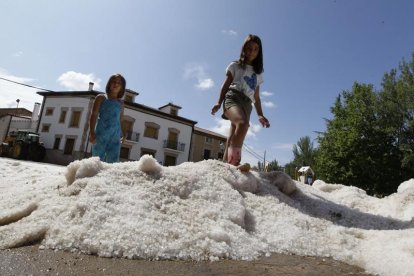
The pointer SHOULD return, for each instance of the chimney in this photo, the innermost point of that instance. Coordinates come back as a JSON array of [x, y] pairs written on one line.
[[35, 114], [90, 86]]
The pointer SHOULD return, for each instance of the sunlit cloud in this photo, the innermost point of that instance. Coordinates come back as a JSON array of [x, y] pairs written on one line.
[[222, 127], [229, 32], [267, 94], [268, 104], [198, 72], [77, 81], [283, 146], [253, 130], [10, 92], [205, 84], [18, 54]]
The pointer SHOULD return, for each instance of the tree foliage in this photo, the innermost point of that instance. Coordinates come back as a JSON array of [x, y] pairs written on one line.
[[271, 166], [370, 140], [304, 155]]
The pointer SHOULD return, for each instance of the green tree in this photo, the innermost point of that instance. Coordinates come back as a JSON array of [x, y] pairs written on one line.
[[303, 155], [370, 140], [304, 152], [273, 166]]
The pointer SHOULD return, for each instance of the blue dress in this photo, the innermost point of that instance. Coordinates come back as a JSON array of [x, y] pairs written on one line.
[[108, 131]]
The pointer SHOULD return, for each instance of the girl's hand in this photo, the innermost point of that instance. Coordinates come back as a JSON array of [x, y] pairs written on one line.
[[264, 121], [92, 138], [215, 108]]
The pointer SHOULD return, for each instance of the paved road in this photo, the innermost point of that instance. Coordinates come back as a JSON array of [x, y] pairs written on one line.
[[29, 260]]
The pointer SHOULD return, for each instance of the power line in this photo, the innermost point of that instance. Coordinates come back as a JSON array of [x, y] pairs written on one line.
[[31, 86], [253, 153]]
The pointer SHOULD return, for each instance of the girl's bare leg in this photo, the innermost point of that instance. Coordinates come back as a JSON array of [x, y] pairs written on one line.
[[238, 118], [231, 133]]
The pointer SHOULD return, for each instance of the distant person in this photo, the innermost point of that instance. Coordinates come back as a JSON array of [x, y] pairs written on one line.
[[240, 89], [106, 121]]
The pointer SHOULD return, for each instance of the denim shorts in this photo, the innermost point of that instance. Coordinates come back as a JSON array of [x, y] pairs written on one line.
[[237, 98]]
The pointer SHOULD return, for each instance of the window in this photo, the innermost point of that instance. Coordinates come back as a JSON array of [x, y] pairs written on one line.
[[151, 130], [124, 153], [56, 144], [209, 140], [62, 116], [128, 98], [170, 160], [74, 121], [45, 127], [148, 151], [128, 126], [207, 154], [49, 111], [70, 143], [173, 137], [173, 112]]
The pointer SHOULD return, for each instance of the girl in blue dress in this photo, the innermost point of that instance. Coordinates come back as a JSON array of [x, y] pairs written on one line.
[[106, 120]]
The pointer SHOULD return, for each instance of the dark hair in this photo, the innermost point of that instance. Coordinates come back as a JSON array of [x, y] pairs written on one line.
[[122, 92], [258, 61]]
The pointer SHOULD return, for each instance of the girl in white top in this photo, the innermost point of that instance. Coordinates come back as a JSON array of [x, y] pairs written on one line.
[[240, 89]]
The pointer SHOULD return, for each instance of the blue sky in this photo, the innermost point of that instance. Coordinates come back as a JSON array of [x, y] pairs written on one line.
[[177, 51]]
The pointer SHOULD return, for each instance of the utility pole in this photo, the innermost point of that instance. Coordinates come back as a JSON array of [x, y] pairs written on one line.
[[264, 161], [17, 108]]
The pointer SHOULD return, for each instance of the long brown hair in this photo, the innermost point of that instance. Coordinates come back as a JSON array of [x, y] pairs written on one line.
[[108, 84], [258, 61]]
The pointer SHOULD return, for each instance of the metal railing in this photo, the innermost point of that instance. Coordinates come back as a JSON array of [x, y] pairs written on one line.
[[132, 136], [174, 145]]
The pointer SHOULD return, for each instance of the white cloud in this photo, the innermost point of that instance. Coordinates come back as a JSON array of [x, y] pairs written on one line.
[[268, 104], [281, 146], [229, 32], [18, 54], [267, 94], [223, 127], [78, 81], [205, 84], [198, 71], [10, 92], [253, 130]]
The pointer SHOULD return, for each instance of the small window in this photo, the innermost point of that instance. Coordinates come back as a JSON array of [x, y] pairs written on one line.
[[70, 143], [170, 160], [62, 116], [74, 121], [45, 127], [49, 111], [209, 140], [148, 151], [173, 112], [56, 144], [124, 153], [151, 130], [128, 98]]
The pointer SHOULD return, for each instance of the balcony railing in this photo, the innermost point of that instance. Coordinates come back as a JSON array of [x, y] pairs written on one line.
[[168, 144], [132, 136]]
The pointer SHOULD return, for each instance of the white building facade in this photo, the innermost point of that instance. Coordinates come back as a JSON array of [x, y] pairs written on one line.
[[64, 129]]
